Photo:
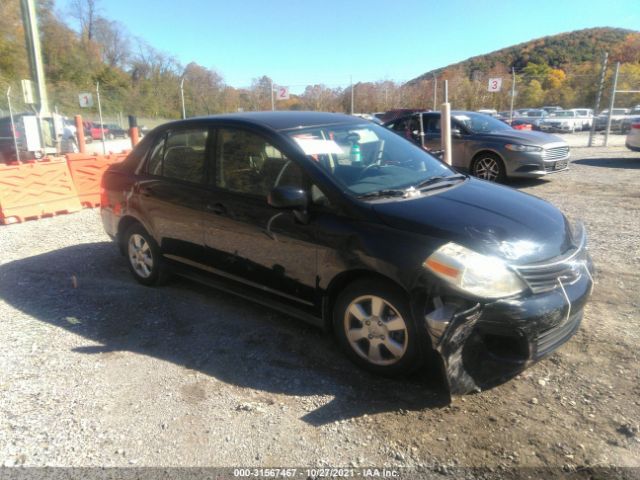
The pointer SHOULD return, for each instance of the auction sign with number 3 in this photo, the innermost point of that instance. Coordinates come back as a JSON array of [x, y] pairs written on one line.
[[495, 84]]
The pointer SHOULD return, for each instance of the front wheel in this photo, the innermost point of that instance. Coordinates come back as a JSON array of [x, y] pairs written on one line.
[[489, 167], [143, 255], [373, 324]]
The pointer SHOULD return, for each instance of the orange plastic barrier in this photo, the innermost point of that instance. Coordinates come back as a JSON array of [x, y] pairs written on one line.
[[86, 171], [35, 190]]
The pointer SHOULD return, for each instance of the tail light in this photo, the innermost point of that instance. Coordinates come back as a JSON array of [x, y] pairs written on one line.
[[636, 125]]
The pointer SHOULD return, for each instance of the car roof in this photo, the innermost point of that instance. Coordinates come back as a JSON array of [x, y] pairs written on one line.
[[285, 120]]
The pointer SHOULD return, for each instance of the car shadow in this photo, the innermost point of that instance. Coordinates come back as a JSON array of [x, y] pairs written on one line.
[[516, 182], [87, 290], [632, 163]]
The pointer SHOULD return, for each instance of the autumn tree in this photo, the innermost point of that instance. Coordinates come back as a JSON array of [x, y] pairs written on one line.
[[203, 90]]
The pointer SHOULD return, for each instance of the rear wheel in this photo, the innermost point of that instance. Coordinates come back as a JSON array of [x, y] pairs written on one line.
[[373, 324], [488, 166], [143, 255]]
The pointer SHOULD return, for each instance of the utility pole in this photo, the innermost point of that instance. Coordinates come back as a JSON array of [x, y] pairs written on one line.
[[603, 72], [613, 99], [104, 147], [184, 112], [435, 92], [351, 80], [32, 37], [513, 93], [273, 103], [13, 126]]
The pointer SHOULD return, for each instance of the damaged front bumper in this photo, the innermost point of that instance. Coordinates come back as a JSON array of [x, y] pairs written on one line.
[[483, 344]]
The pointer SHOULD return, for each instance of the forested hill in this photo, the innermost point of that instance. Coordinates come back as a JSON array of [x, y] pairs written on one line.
[[557, 51]]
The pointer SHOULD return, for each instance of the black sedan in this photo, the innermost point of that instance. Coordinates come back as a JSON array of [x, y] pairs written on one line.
[[346, 225]]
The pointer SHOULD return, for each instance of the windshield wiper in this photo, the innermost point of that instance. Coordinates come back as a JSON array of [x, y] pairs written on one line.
[[384, 193], [439, 179]]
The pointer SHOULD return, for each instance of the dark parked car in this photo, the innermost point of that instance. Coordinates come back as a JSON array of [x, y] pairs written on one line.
[[487, 147], [16, 134], [115, 131], [346, 225]]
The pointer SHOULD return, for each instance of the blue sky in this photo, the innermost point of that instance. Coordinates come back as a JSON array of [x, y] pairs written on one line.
[[303, 42]]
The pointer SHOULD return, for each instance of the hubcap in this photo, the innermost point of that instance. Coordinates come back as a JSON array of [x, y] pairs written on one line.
[[375, 330], [487, 169], [140, 255]]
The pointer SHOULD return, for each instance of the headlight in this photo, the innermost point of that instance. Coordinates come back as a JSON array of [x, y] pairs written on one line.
[[473, 273], [522, 148]]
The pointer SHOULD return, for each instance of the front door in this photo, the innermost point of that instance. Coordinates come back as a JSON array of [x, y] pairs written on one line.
[[245, 237], [433, 139]]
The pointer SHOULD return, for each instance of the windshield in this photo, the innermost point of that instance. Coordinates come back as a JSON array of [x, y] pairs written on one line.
[[536, 113], [480, 123], [367, 158]]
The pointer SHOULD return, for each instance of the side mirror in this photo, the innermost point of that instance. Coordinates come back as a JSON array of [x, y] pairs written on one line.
[[291, 198], [456, 133]]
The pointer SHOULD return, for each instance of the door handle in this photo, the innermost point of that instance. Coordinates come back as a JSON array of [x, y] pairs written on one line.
[[216, 208]]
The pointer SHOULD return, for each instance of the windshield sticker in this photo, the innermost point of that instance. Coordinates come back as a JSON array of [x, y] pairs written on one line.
[[462, 118], [366, 135], [316, 146]]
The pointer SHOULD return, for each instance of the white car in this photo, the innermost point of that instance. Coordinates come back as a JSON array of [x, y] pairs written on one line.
[[561, 121], [633, 137], [585, 115]]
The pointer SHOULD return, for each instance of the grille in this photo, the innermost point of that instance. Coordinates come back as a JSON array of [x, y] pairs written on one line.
[[552, 338], [555, 153], [543, 277]]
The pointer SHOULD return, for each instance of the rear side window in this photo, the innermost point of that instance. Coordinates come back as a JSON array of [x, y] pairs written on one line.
[[180, 155]]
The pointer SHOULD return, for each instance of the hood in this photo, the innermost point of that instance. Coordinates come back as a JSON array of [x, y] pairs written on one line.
[[525, 137], [488, 218]]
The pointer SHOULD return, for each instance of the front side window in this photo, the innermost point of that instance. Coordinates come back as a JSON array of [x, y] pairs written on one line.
[[431, 124], [180, 155], [247, 163]]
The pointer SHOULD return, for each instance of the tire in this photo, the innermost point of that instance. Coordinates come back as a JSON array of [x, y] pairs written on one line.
[[488, 166], [143, 257], [389, 344]]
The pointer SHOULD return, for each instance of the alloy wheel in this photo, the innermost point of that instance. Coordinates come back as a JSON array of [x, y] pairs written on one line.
[[375, 330], [487, 169], [140, 255]]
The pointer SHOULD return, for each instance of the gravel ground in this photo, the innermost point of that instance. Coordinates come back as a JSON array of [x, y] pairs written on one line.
[[97, 370]]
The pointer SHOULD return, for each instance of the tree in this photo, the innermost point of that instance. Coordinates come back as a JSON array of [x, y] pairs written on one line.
[[531, 95], [203, 88], [260, 93], [114, 42], [86, 12]]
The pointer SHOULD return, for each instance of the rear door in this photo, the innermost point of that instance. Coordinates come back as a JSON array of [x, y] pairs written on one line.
[[172, 190]]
